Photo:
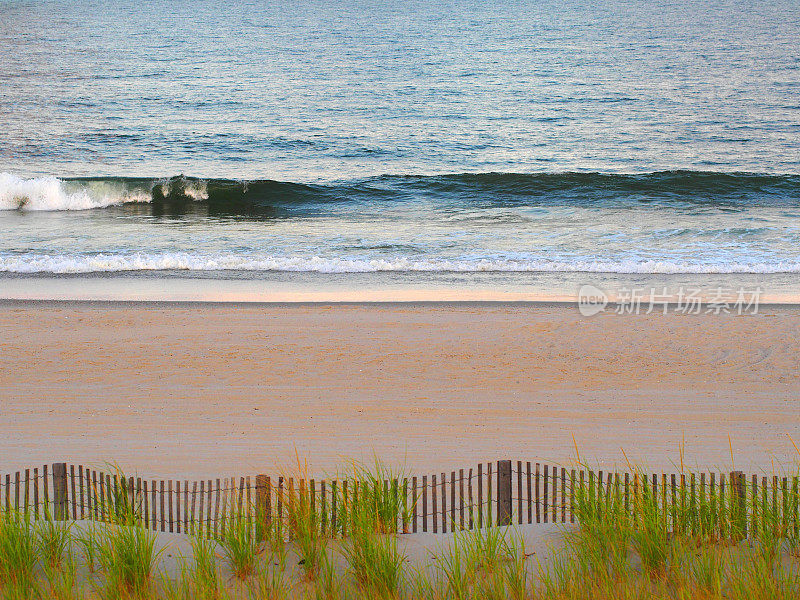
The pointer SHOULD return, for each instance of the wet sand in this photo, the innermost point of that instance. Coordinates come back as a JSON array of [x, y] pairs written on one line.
[[222, 389]]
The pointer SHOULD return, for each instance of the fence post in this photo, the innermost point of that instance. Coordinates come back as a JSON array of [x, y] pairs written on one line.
[[60, 491], [739, 493], [261, 506], [504, 492]]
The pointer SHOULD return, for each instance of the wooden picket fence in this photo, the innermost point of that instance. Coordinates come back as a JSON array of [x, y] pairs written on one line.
[[501, 493]]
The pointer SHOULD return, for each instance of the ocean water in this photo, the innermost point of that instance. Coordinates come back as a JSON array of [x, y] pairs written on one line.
[[506, 145]]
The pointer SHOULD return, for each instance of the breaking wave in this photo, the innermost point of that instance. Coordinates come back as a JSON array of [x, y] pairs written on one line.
[[225, 196], [53, 194], [185, 261]]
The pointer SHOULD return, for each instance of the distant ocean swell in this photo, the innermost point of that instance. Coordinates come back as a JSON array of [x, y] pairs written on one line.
[[223, 196], [186, 261]]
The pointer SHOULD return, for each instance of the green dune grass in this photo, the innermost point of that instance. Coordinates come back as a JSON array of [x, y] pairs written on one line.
[[618, 548]]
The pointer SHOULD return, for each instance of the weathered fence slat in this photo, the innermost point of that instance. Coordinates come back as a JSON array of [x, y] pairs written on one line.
[[346, 504], [453, 501], [178, 519], [268, 505], [171, 524], [137, 500], [425, 503], [92, 497], [209, 498], [279, 499], [216, 507], [480, 496], [201, 505], [153, 506], [537, 495], [103, 505], [261, 505], [414, 497], [323, 505], [403, 505], [461, 499], [91, 482], [741, 497], [186, 506], [221, 531], [47, 511], [73, 497], [333, 507], [104, 492], [60, 491], [489, 514], [555, 494], [504, 506], [754, 504], [194, 506], [248, 484], [572, 496], [470, 501], [434, 493], [724, 514], [545, 487], [36, 492], [27, 490], [161, 505], [519, 492], [785, 503], [528, 481], [444, 503]]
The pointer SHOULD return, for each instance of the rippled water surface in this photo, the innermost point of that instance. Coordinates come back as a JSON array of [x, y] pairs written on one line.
[[451, 137], [305, 90]]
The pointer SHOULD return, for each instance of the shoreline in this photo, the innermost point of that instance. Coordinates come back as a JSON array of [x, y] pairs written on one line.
[[200, 304], [343, 291]]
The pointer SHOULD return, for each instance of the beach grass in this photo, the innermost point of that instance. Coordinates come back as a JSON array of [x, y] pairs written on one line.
[[18, 551], [639, 547]]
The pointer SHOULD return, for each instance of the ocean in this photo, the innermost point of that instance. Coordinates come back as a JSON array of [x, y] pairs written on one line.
[[525, 147]]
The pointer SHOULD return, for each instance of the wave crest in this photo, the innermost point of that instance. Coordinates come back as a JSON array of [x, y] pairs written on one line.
[[184, 261], [259, 197], [53, 194]]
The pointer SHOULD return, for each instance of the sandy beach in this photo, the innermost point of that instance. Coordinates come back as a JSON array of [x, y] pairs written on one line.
[[221, 389]]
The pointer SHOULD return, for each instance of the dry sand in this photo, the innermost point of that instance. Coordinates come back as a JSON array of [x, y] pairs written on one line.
[[227, 389]]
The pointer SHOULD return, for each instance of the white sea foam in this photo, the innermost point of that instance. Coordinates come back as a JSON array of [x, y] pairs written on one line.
[[184, 261], [51, 193]]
